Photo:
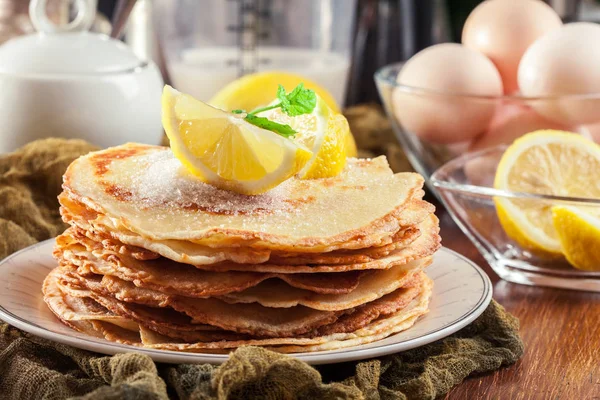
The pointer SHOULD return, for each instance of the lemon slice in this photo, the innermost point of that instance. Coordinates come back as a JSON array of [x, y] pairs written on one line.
[[579, 235], [544, 162], [224, 150], [256, 90], [324, 132]]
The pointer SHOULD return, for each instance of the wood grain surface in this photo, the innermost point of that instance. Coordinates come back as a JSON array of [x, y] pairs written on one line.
[[561, 331]]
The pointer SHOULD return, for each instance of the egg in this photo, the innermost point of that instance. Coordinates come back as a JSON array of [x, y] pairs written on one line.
[[438, 98], [564, 62], [511, 122], [504, 29]]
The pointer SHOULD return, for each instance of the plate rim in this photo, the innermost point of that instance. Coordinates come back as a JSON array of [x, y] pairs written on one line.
[[316, 358]]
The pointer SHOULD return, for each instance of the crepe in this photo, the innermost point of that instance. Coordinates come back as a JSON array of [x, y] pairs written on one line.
[[80, 313], [179, 279], [255, 320], [145, 190], [102, 230], [427, 243], [274, 293], [385, 318]]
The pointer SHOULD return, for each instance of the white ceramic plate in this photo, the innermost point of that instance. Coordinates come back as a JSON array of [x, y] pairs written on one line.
[[461, 293]]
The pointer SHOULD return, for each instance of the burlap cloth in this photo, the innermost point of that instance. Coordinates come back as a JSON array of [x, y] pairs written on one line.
[[34, 368]]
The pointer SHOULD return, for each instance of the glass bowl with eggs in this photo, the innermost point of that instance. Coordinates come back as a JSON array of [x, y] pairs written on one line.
[[518, 69], [456, 108]]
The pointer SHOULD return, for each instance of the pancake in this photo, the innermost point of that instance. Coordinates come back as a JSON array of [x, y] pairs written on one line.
[[138, 247], [390, 305], [79, 313], [116, 295], [177, 252], [81, 288], [273, 295], [249, 319], [85, 315], [155, 318], [180, 279], [377, 329], [427, 243], [161, 320], [352, 321], [145, 190], [174, 279], [103, 230], [403, 238]]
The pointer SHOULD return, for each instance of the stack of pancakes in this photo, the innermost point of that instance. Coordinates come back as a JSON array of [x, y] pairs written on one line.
[[156, 258]]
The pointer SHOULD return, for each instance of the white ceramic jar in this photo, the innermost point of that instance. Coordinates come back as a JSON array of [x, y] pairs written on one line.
[[67, 82]]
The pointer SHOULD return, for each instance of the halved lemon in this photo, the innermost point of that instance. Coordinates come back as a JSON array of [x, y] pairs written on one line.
[[256, 90], [224, 150], [578, 231], [544, 162], [324, 132]]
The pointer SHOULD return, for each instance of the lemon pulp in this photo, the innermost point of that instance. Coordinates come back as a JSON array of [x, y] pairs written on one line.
[[324, 132]]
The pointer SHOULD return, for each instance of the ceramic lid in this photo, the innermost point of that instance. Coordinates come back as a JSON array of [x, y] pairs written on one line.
[[66, 53], [68, 49]]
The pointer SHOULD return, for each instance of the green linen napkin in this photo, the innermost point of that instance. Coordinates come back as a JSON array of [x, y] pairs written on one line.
[[35, 368]]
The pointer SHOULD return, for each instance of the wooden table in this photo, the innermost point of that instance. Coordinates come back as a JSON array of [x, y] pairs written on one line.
[[561, 331]]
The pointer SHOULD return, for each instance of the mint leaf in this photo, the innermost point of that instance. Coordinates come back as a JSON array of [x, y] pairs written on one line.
[[282, 96], [300, 101], [265, 123]]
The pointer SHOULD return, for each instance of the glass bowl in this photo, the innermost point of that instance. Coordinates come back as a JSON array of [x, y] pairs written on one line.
[[465, 186], [435, 127]]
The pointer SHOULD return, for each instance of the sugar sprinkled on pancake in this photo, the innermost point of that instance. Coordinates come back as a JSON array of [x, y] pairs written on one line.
[[163, 181], [363, 200]]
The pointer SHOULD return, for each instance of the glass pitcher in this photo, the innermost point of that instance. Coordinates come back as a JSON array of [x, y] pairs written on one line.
[[209, 43]]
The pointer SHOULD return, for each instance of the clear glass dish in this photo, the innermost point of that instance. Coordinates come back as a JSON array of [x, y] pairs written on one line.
[[465, 186], [432, 125]]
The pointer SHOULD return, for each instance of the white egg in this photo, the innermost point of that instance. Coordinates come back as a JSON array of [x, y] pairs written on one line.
[[562, 63], [504, 29], [438, 100]]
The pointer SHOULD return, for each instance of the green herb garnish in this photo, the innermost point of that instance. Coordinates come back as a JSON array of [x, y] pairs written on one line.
[[283, 129], [298, 102]]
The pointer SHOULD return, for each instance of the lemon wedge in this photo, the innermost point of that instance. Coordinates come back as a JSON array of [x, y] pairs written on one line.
[[544, 162], [255, 90], [224, 150], [323, 132], [579, 235]]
